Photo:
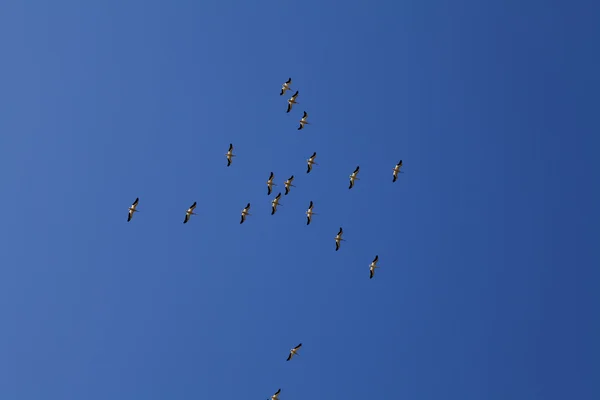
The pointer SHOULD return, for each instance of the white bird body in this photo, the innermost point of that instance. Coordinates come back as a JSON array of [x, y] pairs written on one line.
[[276, 395], [286, 86], [310, 213], [245, 213], [303, 121], [275, 203], [373, 266], [353, 177], [397, 170], [292, 101], [338, 239], [270, 183], [189, 213], [229, 154], [311, 162], [288, 184], [132, 209], [294, 352]]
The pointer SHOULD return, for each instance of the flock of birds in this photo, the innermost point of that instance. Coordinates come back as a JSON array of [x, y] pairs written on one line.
[[275, 202]]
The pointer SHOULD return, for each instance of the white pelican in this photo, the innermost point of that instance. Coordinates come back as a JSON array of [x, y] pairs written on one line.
[[189, 213], [373, 266], [396, 170], [270, 183], [311, 161], [303, 121], [245, 213], [338, 239], [288, 184], [292, 101], [353, 177], [276, 395], [294, 351], [132, 209], [229, 154], [275, 203], [285, 86], [309, 213]]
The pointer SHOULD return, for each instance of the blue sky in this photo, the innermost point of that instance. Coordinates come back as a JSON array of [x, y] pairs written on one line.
[[488, 243]]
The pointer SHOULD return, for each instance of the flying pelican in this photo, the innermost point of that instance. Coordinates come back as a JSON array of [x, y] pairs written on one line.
[[229, 154], [353, 177], [338, 239], [270, 183], [396, 170], [245, 213], [132, 209], [285, 86], [288, 184], [276, 395], [309, 213], [275, 203], [189, 213], [373, 266], [311, 161], [303, 121], [292, 101], [294, 352]]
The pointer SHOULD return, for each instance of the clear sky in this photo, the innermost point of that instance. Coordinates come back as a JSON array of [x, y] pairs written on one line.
[[488, 242]]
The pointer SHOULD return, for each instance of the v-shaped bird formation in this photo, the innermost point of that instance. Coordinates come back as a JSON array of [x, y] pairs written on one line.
[[288, 185]]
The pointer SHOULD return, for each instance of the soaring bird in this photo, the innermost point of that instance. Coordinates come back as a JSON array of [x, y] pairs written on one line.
[[397, 170], [288, 184], [276, 395], [189, 213], [285, 86], [373, 266], [338, 239], [311, 161], [309, 213], [294, 352], [275, 203], [303, 121], [353, 177], [292, 101], [270, 183], [229, 154], [245, 213], [132, 209]]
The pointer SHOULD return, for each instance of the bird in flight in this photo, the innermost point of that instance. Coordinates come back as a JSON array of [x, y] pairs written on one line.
[[189, 213], [288, 184], [286, 86], [229, 154], [353, 177], [245, 213], [270, 184], [276, 395], [373, 266], [294, 352], [309, 213], [292, 101], [275, 203], [303, 121], [311, 162], [338, 239], [132, 209], [397, 170]]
